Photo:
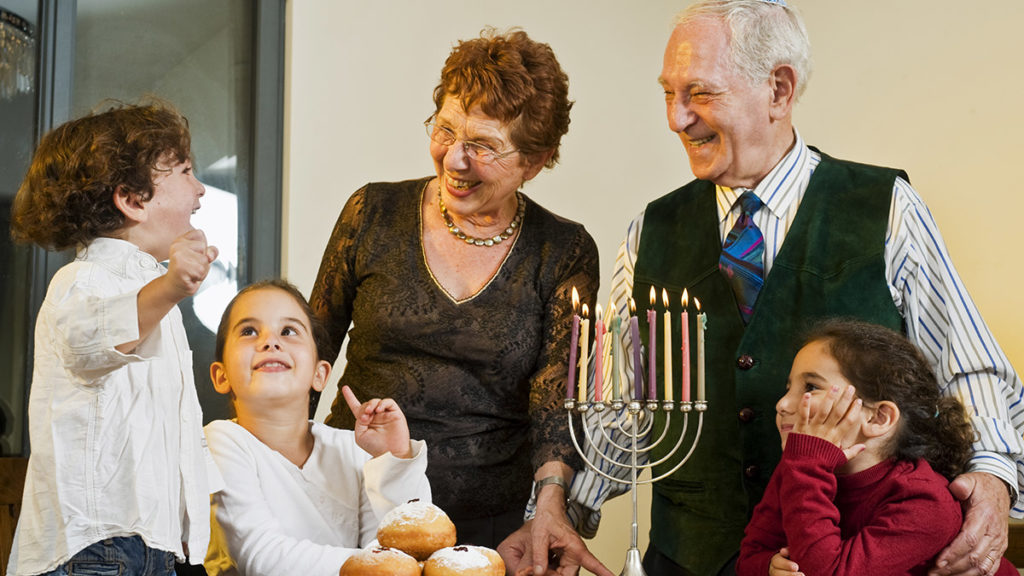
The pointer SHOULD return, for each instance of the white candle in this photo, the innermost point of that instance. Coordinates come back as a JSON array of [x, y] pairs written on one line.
[[618, 391]]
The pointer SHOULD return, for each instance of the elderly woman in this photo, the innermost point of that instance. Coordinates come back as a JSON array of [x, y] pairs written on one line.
[[457, 289]]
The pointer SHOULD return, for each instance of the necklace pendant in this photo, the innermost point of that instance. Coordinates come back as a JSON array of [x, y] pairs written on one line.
[[486, 242]]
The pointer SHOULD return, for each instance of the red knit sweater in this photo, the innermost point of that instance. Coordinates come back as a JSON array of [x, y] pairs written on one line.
[[893, 518]]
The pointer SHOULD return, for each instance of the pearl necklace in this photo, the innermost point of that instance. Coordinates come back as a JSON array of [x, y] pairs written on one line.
[[501, 237]]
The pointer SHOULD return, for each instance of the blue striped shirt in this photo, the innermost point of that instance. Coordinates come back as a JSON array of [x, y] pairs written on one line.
[[941, 318]]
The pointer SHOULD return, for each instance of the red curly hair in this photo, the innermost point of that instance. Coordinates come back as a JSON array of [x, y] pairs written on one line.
[[515, 80]]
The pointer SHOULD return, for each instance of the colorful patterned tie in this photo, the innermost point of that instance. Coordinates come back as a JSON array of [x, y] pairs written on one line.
[[742, 259]]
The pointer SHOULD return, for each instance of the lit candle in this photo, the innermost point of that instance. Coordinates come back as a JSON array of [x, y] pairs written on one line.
[[584, 353], [617, 391], [702, 324], [652, 339], [634, 338], [668, 347], [574, 341], [598, 356], [685, 349]]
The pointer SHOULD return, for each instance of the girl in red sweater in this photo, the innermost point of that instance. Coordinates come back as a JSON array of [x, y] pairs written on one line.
[[869, 445]]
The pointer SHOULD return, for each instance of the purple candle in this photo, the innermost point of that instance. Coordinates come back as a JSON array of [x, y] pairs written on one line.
[[652, 357], [574, 341], [634, 337]]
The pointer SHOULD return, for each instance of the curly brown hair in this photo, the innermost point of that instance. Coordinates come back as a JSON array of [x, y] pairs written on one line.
[[883, 365], [67, 197], [515, 80]]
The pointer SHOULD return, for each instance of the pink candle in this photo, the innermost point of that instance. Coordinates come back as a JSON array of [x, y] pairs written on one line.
[[598, 356], [574, 336], [652, 355], [702, 324], [669, 352], [634, 338], [686, 351]]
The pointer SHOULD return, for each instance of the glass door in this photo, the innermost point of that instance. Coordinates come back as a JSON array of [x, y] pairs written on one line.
[[222, 65]]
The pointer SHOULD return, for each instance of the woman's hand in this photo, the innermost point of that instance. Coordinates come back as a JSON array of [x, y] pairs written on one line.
[[380, 425], [836, 418]]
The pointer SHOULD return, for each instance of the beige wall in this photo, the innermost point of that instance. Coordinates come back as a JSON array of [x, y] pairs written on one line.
[[935, 87]]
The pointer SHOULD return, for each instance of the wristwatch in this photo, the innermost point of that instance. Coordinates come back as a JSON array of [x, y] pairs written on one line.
[[550, 480]]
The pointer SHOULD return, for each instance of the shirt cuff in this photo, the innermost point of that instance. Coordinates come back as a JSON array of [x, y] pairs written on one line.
[[1001, 467]]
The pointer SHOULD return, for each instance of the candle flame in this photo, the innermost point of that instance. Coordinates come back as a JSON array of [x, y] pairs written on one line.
[[697, 302], [598, 315], [575, 300], [652, 296], [686, 298], [586, 311], [632, 307], [664, 297]]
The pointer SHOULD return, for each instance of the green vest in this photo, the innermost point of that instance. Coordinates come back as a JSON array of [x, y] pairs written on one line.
[[831, 264]]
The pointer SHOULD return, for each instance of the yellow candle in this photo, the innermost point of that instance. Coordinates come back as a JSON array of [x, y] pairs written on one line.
[[702, 324], [668, 347], [584, 353]]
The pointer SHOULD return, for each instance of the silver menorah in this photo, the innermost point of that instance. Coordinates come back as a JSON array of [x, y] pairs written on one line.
[[635, 420]]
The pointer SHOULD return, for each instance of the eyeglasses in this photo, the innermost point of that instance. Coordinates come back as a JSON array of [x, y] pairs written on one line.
[[479, 152]]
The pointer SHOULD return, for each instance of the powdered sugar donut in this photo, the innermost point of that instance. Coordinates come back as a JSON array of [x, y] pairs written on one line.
[[417, 528], [380, 561], [464, 561]]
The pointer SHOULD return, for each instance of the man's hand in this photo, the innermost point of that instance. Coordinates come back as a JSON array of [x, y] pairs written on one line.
[[979, 547], [781, 565]]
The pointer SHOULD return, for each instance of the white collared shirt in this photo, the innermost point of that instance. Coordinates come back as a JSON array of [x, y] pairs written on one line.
[[940, 316], [117, 441]]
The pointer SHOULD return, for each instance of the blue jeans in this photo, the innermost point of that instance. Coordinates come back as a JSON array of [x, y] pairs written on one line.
[[125, 556]]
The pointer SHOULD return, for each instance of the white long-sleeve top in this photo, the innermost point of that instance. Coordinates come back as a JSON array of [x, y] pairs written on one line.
[[940, 317], [274, 517], [117, 440]]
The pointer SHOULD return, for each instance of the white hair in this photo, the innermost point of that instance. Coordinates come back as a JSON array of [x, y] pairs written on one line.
[[764, 35]]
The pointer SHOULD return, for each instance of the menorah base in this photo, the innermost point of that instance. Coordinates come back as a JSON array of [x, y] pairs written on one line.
[[634, 566]]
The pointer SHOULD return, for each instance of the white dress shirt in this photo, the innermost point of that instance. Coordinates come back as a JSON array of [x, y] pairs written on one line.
[[940, 316], [274, 517], [117, 440]]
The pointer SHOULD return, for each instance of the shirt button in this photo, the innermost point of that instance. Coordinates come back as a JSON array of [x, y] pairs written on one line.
[[745, 362], [752, 471], [746, 415]]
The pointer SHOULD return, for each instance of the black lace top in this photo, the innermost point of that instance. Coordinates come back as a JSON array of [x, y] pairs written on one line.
[[482, 380]]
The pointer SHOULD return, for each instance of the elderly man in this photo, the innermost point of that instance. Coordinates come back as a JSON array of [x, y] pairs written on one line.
[[772, 236]]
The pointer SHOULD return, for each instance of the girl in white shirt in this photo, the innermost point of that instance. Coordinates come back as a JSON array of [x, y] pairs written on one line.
[[299, 497]]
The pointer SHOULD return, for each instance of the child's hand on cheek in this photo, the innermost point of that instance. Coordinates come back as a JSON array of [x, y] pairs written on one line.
[[380, 425], [189, 262], [836, 418]]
